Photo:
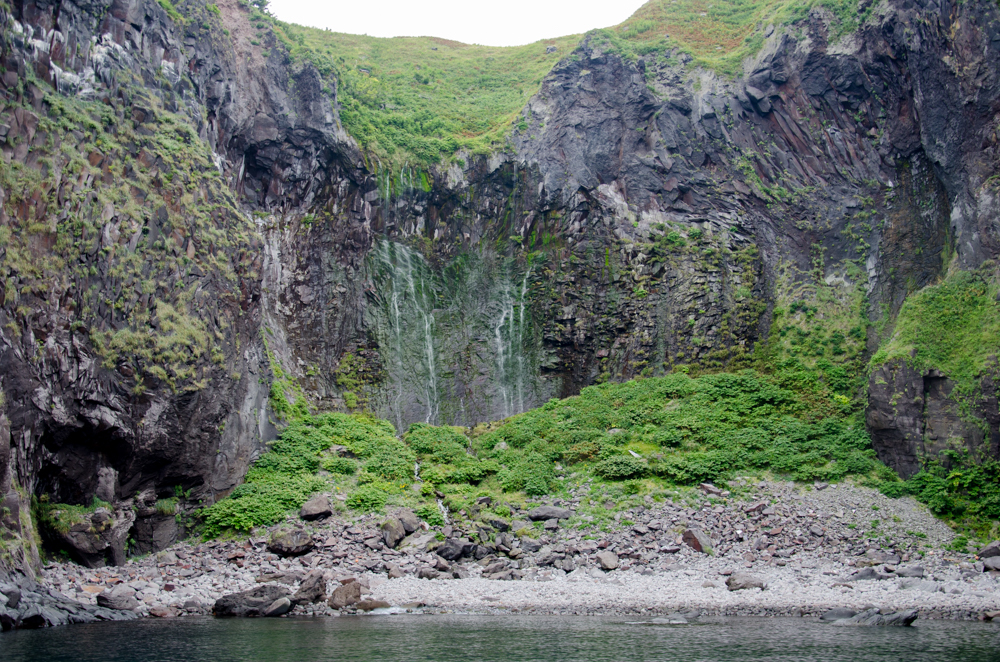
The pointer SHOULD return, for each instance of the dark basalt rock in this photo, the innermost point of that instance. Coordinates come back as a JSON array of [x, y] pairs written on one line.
[[249, 603]]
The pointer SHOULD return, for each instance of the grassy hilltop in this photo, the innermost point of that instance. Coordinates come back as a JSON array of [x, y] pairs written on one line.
[[419, 100]]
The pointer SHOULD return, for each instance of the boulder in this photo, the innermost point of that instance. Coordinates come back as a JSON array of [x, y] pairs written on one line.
[[867, 573], [428, 572], [739, 581], [312, 589], [121, 597], [992, 563], [698, 540], [315, 508], [910, 571], [530, 545], [279, 607], [368, 605], [543, 513], [409, 521], [249, 603], [99, 539], [453, 549], [991, 550], [551, 524], [294, 542], [392, 532], [608, 560], [345, 595], [167, 612], [394, 571], [872, 617]]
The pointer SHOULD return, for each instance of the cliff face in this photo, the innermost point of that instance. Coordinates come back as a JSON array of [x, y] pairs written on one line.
[[188, 228]]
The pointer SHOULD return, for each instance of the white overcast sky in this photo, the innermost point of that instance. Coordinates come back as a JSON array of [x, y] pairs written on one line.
[[505, 23]]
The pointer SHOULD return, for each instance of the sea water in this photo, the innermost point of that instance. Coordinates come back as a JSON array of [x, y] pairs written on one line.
[[504, 638]]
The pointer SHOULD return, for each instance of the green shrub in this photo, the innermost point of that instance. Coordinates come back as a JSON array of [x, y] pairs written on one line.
[[340, 465], [368, 498], [431, 514], [620, 467]]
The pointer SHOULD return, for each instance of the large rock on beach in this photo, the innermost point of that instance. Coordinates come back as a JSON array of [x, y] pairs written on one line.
[[294, 542], [872, 617], [991, 550], [312, 589], [739, 581], [542, 513], [698, 540], [345, 595], [316, 508], [608, 560], [249, 603], [392, 532], [121, 598], [279, 607]]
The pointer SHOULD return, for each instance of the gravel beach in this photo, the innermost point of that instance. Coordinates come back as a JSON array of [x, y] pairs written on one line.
[[777, 549]]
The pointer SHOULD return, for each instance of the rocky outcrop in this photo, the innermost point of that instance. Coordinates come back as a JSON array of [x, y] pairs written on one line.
[[915, 415]]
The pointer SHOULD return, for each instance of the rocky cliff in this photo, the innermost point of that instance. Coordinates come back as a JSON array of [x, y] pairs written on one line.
[[192, 242]]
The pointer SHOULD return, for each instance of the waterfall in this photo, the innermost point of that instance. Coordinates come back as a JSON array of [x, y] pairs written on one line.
[[508, 340], [458, 344], [410, 302]]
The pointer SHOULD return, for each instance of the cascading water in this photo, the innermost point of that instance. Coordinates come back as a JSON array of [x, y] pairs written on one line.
[[410, 299], [458, 343], [508, 341]]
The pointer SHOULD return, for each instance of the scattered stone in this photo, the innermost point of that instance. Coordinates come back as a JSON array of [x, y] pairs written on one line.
[[991, 563], [410, 521], [453, 549], [316, 508], [739, 581], [608, 560], [708, 488], [917, 584], [543, 513], [279, 607], [121, 597], [345, 595], [164, 612], [368, 605], [991, 550], [312, 589], [394, 571], [910, 571], [551, 524], [697, 540], [294, 542], [392, 532]]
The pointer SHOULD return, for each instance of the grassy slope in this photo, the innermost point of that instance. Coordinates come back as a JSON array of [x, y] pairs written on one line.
[[419, 100], [685, 430]]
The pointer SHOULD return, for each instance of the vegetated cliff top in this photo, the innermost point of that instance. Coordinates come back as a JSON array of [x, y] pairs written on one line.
[[422, 99]]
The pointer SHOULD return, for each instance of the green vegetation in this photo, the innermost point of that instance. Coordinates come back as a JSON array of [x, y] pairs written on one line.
[[720, 34], [421, 99], [60, 517], [953, 327]]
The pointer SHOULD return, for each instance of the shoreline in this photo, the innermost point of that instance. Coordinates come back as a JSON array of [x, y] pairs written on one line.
[[801, 542]]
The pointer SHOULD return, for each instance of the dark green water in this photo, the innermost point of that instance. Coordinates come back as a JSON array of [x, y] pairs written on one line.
[[463, 638]]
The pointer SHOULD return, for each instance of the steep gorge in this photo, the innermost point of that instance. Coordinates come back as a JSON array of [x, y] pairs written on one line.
[[189, 229]]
